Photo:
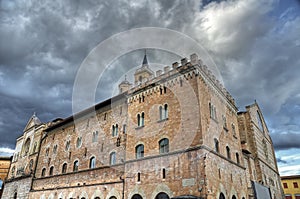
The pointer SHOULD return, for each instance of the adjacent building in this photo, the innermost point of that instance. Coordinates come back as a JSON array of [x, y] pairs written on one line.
[[4, 169], [175, 133], [291, 186]]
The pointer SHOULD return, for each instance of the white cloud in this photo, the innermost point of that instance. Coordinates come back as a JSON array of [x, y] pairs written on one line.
[[4, 151]]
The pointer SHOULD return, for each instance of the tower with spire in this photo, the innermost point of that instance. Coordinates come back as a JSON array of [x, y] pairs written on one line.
[[144, 73]]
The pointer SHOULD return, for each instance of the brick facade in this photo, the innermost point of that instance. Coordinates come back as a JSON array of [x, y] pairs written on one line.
[[169, 135]]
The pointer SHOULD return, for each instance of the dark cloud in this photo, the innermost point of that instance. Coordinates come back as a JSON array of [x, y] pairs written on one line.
[[42, 44], [283, 141]]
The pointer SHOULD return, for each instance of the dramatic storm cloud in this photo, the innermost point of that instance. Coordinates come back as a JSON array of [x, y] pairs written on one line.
[[255, 45]]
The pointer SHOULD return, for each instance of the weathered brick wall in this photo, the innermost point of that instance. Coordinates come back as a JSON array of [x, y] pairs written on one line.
[[20, 186]]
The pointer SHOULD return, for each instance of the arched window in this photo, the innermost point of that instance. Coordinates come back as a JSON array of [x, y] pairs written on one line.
[[164, 146], [221, 196], [43, 172], [112, 158], [228, 152], [237, 158], [136, 196], [47, 151], [112, 197], [13, 169], [34, 147], [54, 149], [138, 119], [27, 146], [233, 197], [162, 195], [92, 162], [67, 145], [95, 136], [51, 171], [75, 166], [142, 119], [96, 198], [163, 112], [216, 145], [116, 130], [166, 111], [160, 113], [64, 168], [78, 142], [139, 151], [139, 177]]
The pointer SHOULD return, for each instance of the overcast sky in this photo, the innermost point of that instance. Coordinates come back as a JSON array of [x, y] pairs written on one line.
[[255, 45]]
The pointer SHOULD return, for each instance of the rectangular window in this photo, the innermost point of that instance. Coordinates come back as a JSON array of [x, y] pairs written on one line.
[[285, 185], [295, 184]]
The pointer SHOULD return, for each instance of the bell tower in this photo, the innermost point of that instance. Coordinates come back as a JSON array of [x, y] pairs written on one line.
[[144, 73]]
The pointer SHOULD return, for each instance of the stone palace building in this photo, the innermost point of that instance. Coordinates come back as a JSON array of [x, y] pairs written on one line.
[[175, 133]]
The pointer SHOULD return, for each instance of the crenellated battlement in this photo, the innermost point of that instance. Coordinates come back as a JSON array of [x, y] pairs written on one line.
[[179, 69]]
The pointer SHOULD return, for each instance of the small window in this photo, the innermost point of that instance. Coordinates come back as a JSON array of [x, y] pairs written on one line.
[[213, 112], [54, 149], [31, 164], [79, 142], [124, 128], [67, 145], [13, 169], [163, 112], [92, 162], [139, 151], [95, 136], [166, 111], [105, 115], [112, 158], [164, 173], [34, 147], [295, 184], [75, 166], [64, 168], [114, 130], [224, 122], [47, 151], [27, 146], [285, 185], [51, 171], [237, 158], [233, 130], [43, 172], [228, 152], [141, 119], [216, 145], [139, 177], [164, 146]]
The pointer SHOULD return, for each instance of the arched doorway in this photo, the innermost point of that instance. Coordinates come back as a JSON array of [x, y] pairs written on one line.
[[233, 197], [162, 195], [15, 195], [221, 196], [136, 196]]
